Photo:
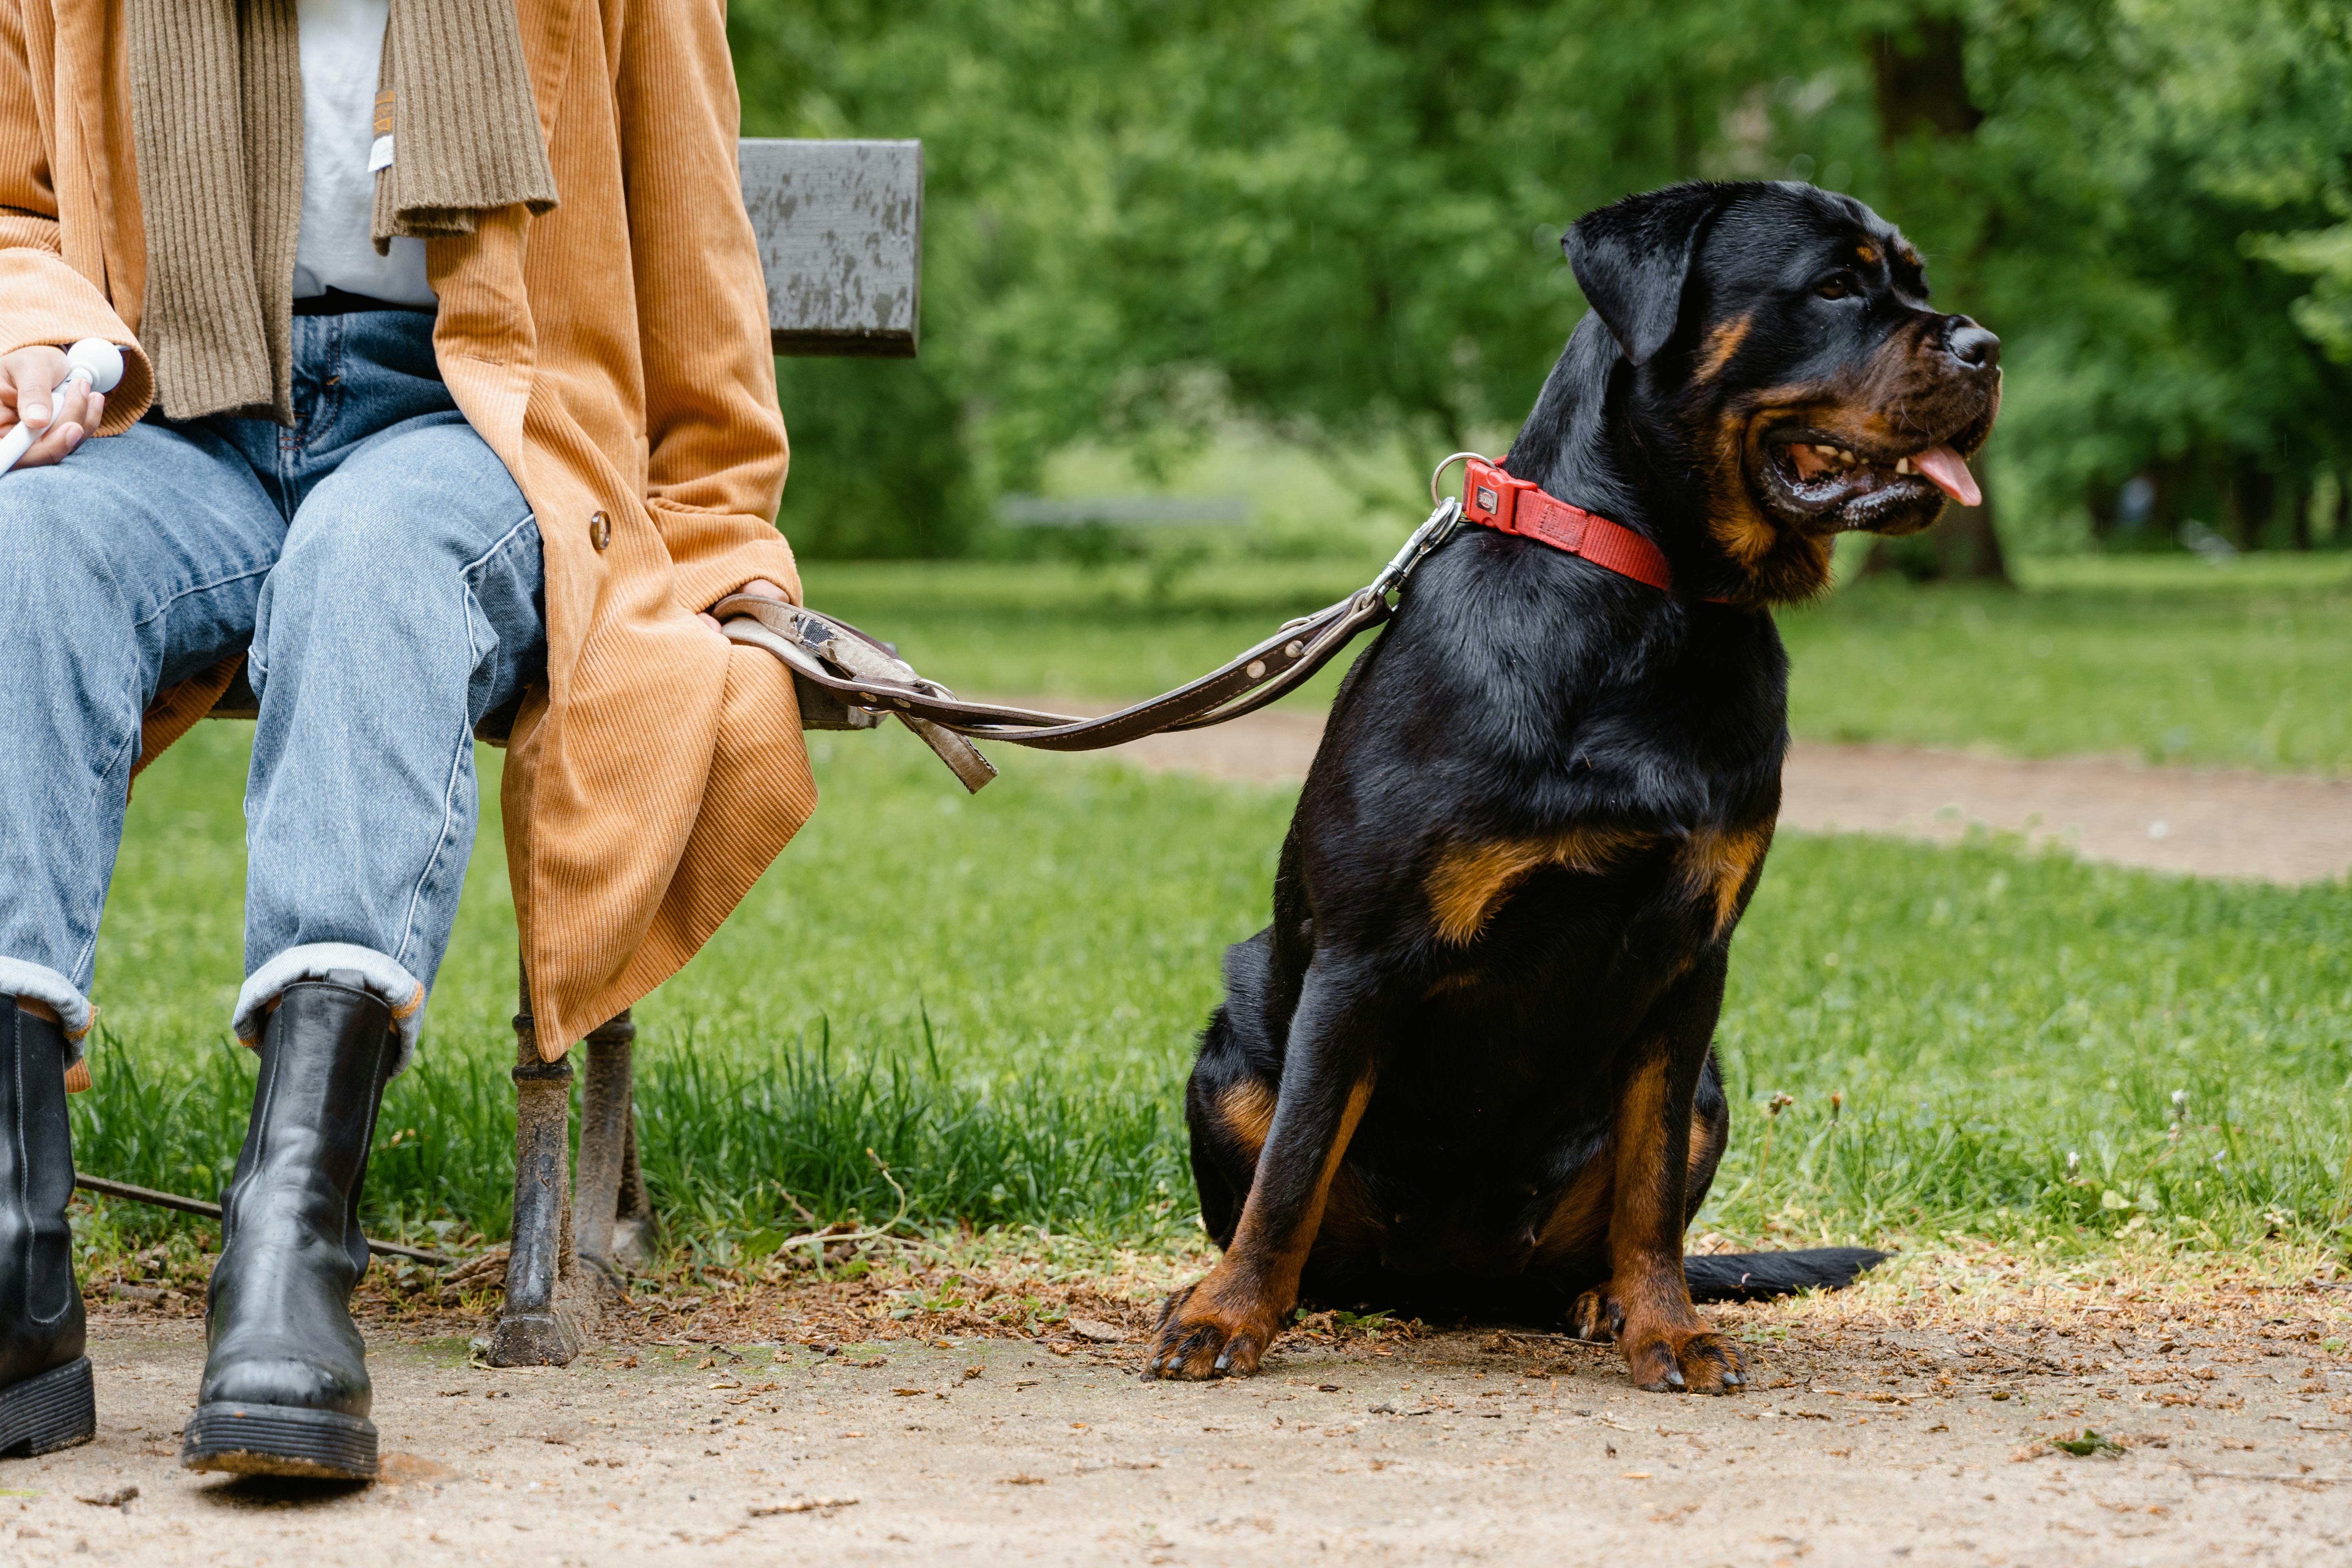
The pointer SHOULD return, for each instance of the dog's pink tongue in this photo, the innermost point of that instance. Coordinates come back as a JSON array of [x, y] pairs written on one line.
[[1948, 473]]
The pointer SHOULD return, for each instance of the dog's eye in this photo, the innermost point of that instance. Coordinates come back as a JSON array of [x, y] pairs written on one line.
[[1837, 286]]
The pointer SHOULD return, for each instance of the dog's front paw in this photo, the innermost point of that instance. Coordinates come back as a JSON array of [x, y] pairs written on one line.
[[1206, 1331], [1667, 1351], [1671, 1361]]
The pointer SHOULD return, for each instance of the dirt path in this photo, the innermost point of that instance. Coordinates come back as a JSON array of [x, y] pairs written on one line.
[[1866, 1441], [2209, 821]]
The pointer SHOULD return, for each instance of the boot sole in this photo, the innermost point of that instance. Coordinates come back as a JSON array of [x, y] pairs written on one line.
[[56, 1410], [279, 1440]]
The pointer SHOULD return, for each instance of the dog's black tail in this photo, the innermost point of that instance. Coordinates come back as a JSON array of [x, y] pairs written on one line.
[[1757, 1276]]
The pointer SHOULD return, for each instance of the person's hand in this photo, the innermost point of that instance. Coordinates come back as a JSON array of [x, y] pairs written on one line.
[[760, 587], [27, 379]]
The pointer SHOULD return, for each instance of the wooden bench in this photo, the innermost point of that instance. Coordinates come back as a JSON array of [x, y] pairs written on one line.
[[840, 234]]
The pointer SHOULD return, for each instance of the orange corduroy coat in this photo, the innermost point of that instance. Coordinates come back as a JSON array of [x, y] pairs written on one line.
[[613, 353]]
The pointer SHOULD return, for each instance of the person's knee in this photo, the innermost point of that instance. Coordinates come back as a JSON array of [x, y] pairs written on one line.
[[351, 548]]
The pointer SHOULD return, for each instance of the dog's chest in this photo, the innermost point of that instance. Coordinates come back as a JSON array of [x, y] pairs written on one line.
[[1509, 892]]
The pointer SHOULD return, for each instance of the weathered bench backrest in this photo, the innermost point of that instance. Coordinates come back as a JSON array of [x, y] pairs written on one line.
[[841, 239]]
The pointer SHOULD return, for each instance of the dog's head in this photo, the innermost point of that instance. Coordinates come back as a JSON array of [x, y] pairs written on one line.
[[1784, 355]]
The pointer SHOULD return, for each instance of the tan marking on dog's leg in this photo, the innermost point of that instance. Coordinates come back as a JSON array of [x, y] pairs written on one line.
[[1247, 1110], [1647, 1299], [1234, 1315], [1698, 1160], [1277, 1258]]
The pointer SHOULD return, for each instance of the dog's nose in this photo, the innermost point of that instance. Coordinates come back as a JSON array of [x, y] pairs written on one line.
[[1972, 345]]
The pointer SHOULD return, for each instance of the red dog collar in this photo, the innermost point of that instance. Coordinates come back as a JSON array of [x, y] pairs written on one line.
[[1519, 507]]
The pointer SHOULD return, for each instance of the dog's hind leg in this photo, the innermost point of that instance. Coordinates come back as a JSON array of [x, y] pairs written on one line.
[[1228, 1108], [1646, 1304], [1345, 1018], [1710, 1134], [1229, 1097]]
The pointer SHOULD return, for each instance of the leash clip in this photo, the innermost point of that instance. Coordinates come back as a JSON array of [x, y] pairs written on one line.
[[1442, 524]]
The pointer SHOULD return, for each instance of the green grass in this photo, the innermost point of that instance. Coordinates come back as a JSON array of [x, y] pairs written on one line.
[[2166, 659], [998, 995]]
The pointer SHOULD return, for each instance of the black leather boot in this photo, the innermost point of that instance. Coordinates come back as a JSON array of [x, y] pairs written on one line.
[[286, 1388], [48, 1400]]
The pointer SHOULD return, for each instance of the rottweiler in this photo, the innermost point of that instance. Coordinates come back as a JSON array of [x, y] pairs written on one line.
[[1471, 1063]]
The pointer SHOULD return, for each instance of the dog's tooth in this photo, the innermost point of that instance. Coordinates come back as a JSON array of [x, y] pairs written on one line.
[[1845, 455], [1902, 465], [1826, 451]]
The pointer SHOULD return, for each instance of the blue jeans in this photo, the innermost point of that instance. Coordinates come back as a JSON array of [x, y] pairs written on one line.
[[380, 568]]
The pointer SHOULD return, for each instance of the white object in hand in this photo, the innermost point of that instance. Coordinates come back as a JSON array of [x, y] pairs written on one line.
[[93, 362]]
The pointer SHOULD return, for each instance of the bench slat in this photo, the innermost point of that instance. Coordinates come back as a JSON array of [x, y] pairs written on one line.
[[840, 229]]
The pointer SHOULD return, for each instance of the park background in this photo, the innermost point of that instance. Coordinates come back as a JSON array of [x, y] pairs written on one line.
[[1288, 253]]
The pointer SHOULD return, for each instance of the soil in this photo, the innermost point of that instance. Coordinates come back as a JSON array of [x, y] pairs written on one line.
[[1911, 1427], [2212, 822]]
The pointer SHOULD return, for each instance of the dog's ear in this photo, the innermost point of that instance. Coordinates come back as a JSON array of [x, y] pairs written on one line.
[[1631, 259]]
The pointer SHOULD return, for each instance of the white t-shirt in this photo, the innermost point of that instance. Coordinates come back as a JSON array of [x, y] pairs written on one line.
[[343, 54]]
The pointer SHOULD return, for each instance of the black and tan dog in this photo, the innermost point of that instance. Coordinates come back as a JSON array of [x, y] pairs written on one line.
[[1470, 1062]]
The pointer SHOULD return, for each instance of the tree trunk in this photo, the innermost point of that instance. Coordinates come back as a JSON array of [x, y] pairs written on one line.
[[2102, 502], [1970, 545], [2253, 499], [1919, 73], [1921, 79]]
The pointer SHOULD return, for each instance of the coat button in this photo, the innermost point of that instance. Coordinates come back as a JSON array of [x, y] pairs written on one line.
[[600, 529]]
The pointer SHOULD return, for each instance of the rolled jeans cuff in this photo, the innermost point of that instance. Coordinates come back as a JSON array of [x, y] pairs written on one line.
[[39, 983], [384, 977]]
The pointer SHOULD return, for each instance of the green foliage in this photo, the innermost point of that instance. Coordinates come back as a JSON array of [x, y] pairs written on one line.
[[2143, 166], [1340, 218], [879, 465]]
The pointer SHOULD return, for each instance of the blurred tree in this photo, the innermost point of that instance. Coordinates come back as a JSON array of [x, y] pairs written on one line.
[[1340, 218], [880, 467], [2135, 156]]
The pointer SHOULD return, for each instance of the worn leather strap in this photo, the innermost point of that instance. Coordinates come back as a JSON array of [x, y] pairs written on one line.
[[817, 648], [838, 658]]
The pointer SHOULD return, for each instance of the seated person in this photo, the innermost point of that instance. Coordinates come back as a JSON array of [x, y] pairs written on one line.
[[448, 398]]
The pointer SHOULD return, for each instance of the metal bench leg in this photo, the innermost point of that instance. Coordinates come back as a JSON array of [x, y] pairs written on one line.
[[545, 1318], [606, 1125]]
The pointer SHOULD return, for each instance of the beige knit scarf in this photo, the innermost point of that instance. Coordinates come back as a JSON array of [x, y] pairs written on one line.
[[216, 109]]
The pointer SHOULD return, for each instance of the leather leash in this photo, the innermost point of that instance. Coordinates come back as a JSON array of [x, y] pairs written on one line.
[[836, 657], [870, 680]]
